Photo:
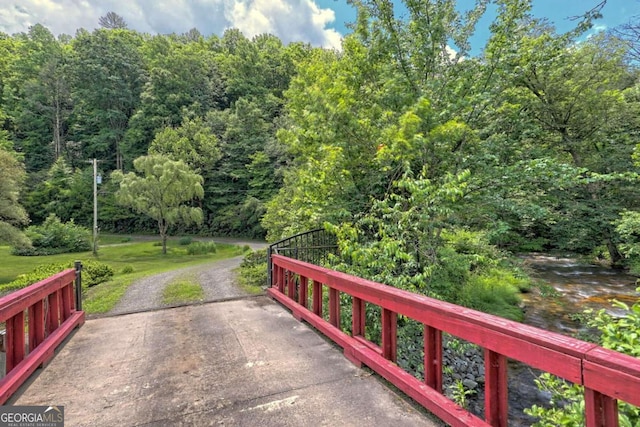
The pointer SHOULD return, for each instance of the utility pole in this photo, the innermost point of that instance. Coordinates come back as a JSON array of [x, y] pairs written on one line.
[[95, 207]]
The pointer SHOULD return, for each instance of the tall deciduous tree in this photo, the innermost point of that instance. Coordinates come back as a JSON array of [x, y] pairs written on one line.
[[37, 96], [161, 191], [108, 78], [193, 142], [113, 21], [183, 82]]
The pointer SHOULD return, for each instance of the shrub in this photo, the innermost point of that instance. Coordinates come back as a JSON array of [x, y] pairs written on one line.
[[253, 269], [201, 248], [496, 292], [127, 269], [184, 241], [93, 273], [54, 237]]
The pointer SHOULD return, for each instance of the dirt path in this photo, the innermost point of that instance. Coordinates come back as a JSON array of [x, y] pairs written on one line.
[[217, 280]]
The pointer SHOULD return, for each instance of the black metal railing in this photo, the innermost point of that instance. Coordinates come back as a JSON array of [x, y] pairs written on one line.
[[311, 246]]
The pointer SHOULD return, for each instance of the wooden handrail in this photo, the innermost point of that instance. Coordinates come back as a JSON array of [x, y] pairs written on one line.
[[606, 375], [51, 315]]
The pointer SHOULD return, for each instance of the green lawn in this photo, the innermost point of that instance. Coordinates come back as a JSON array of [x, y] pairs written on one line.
[[138, 258]]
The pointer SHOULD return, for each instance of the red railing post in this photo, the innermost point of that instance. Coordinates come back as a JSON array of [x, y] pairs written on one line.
[[389, 334], [67, 301], [303, 292], [15, 341], [433, 358], [334, 307], [600, 410], [36, 324], [495, 389], [358, 317], [317, 298], [291, 285], [280, 279], [53, 319]]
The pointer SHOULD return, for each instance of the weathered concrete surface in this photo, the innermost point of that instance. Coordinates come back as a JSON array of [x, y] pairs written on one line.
[[245, 362]]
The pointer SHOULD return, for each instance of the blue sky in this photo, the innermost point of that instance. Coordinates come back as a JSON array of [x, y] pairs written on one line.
[[558, 12], [319, 22]]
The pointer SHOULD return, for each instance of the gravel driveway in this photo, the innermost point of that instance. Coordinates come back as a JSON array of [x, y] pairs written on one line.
[[217, 280]]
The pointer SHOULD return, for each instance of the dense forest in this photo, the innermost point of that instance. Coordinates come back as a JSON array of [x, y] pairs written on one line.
[[403, 137]]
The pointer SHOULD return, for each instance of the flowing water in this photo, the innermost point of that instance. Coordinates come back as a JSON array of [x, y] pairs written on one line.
[[577, 287], [572, 287]]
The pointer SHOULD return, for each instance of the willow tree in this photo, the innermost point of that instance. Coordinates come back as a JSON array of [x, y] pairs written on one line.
[[161, 189]]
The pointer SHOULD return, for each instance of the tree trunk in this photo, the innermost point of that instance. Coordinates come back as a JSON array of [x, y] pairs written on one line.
[[614, 254], [164, 243], [162, 226]]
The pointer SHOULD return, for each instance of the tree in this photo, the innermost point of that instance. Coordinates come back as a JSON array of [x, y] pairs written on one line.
[[37, 96], [112, 21], [183, 82], [162, 192], [571, 100], [193, 142], [12, 215], [108, 76]]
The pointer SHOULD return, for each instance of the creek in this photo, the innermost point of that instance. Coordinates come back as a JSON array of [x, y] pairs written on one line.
[[576, 287], [569, 287]]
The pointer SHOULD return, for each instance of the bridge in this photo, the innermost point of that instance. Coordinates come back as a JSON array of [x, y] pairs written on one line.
[[253, 361]]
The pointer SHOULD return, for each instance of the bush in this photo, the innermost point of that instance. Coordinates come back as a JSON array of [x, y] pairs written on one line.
[[54, 237], [93, 273], [496, 292], [253, 269], [184, 241], [201, 248], [127, 269]]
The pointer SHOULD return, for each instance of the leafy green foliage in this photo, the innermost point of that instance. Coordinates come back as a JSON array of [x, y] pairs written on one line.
[[628, 229], [201, 248], [12, 214], [162, 192], [55, 237], [185, 240], [253, 270], [93, 273]]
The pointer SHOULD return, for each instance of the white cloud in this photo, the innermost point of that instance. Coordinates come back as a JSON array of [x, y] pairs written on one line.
[[598, 28], [290, 20]]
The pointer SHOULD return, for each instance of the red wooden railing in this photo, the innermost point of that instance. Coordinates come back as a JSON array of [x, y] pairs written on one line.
[[606, 375], [51, 315]]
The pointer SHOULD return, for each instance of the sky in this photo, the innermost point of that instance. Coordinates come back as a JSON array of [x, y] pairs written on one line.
[[319, 22]]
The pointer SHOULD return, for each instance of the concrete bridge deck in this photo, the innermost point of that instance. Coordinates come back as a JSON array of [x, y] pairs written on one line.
[[245, 362]]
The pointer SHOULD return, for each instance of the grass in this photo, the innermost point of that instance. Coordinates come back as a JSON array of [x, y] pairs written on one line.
[[142, 257], [182, 291]]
